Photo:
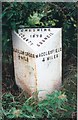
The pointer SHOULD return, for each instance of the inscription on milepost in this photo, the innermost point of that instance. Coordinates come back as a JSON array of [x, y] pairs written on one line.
[[38, 51]]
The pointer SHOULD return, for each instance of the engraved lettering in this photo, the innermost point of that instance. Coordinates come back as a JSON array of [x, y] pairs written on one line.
[[46, 38], [40, 35], [43, 59], [36, 56], [26, 39], [21, 30], [38, 29], [49, 29], [40, 42], [45, 29], [43, 40], [29, 30], [38, 45]]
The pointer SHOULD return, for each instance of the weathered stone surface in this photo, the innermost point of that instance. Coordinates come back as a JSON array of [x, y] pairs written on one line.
[[38, 59]]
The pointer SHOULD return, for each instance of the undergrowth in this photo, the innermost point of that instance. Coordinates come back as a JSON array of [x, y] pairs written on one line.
[[60, 105], [55, 106]]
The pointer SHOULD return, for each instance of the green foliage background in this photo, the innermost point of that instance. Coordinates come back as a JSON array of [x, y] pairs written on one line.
[[40, 14]]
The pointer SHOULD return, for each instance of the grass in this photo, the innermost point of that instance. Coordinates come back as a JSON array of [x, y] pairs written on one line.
[[59, 105]]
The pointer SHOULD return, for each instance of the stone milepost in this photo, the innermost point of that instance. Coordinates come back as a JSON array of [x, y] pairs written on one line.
[[37, 56]]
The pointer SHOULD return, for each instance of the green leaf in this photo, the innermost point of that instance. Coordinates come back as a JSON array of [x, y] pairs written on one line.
[[34, 19], [48, 113], [28, 108]]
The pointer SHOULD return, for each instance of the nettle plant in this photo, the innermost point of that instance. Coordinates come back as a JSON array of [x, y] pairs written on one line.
[[54, 106]]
